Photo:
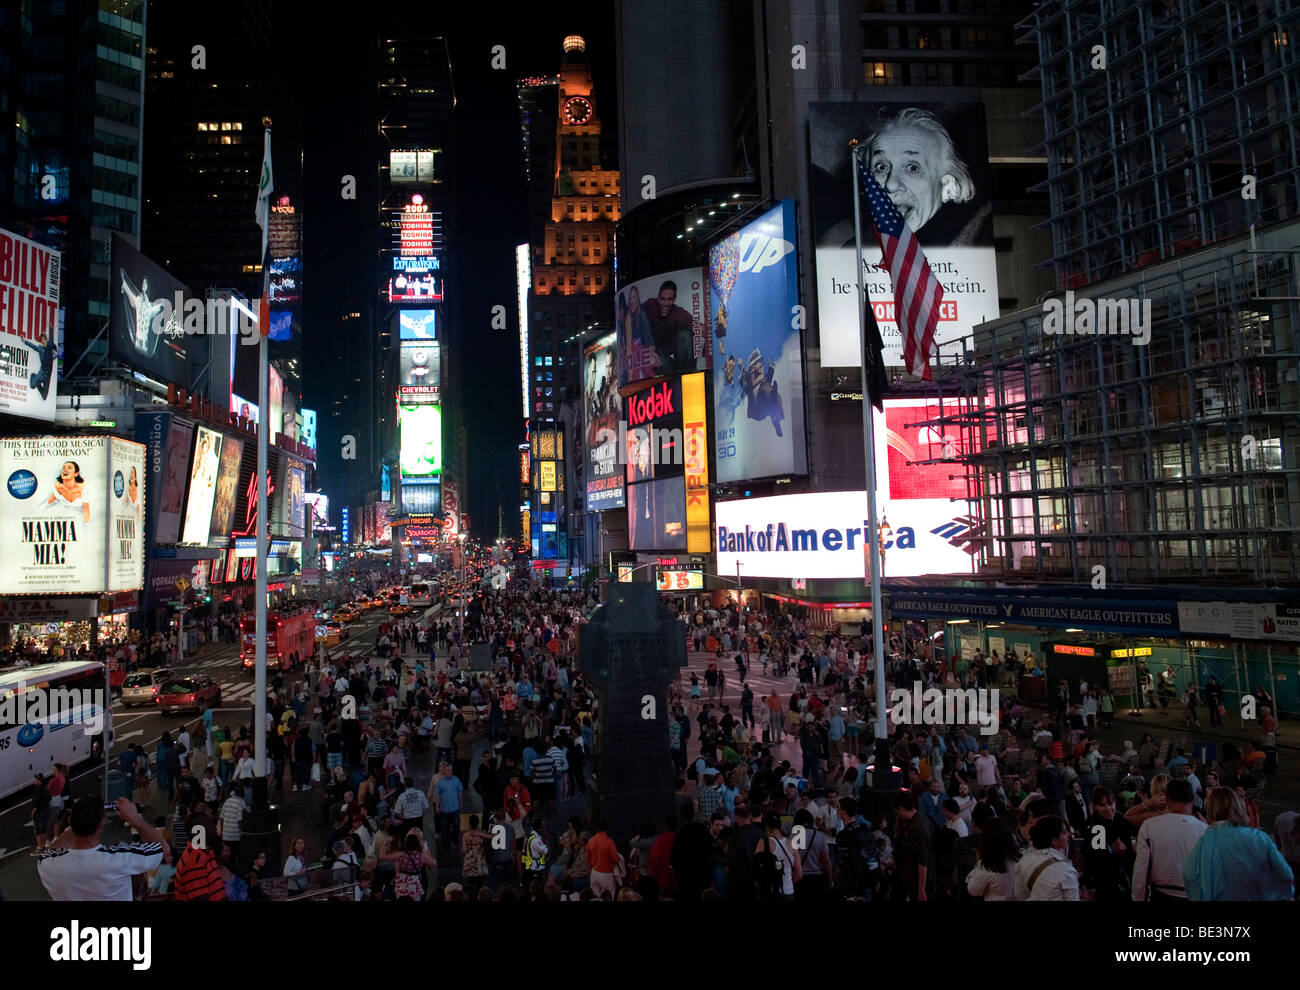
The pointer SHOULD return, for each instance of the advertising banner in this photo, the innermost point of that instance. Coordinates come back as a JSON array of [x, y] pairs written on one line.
[[757, 357], [932, 161], [295, 501], [600, 409], [223, 505], [695, 438], [420, 372], [152, 430], [71, 515], [175, 472], [822, 535], [145, 330], [662, 326], [203, 487], [30, 277], [656, 514], [320, 510], [421, 453], [417, 325]]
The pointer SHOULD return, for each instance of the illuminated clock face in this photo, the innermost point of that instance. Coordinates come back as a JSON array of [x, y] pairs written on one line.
[[577, 110]]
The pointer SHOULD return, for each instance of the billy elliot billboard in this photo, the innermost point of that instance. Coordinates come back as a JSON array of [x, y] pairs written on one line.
[[932, 161], [757, 359], [30, 276], [661, 326], [600, 407], [71, 515]]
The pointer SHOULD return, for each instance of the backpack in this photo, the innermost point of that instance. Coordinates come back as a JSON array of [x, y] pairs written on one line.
[[769, 871]]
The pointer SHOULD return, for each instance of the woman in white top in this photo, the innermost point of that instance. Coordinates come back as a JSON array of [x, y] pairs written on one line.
[[778, 846], [295, 866], [994, 875], [69, 492]]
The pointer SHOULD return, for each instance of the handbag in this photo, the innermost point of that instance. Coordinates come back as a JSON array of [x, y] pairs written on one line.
[[315, 773]]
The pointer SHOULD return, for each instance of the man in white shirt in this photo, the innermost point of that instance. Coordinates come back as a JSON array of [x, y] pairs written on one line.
[[77, 866], [986, 769], [1163, 844], [1045, 872]]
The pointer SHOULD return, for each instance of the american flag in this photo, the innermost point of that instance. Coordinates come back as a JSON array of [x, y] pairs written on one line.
[[917, 293]]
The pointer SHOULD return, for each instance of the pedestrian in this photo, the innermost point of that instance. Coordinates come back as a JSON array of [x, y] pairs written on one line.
[[1045, 872], [1232, 861], [1164, 842]]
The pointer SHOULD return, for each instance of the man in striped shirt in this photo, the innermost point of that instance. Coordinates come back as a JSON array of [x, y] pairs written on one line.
[[410, 807], [543, 777], [230, 823], [198, 876]]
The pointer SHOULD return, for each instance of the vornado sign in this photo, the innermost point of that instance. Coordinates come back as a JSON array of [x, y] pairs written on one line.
[[824, 535]]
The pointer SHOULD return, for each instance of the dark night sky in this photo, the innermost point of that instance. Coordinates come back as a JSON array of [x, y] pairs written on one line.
[[329, 84]]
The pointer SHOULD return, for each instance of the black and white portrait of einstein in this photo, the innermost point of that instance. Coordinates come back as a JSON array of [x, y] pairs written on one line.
[[912, 155]]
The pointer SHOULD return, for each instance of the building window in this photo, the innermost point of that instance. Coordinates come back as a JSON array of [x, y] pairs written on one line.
[[931, 74], [927, 40], [881, 73]]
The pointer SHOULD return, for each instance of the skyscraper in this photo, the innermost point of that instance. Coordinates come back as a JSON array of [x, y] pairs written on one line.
[[572, 259]]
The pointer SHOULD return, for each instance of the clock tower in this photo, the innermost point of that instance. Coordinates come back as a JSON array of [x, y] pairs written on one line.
[[571, 292]]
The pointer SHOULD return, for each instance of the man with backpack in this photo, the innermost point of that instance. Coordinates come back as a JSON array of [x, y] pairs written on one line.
[[857, 864], [744, 839]]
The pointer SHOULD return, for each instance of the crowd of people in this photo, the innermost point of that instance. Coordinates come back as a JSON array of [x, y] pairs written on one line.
[[771, 798]]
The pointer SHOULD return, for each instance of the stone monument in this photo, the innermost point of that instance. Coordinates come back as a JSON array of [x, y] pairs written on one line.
[[630, 649]]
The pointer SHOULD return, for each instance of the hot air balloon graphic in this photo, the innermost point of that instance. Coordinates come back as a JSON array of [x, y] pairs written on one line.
[[724, 266]]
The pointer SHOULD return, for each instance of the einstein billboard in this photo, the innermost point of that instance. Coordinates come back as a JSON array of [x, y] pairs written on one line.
[[932, 161]]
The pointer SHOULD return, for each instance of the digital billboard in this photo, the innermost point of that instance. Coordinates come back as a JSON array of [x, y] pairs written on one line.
[[662, 326], [924, 521], [411, 166], [295, 503], [669, 579], [71, 515], [695, 439], [600, 410], [206, 466], [420, 371], [30, 278], [656, 515], [417, 324], [415, 288], [757, 357], [932, 161], [223, 505], [421, 453], [416, 253], [309, 428], [320, 510], [145, 331]]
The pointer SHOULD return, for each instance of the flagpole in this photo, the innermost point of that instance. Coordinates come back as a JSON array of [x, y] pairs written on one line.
[[872, 556], [263, 516]]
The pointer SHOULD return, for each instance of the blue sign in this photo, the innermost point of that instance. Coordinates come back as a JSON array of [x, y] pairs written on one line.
[[30, 734], [1095, 615], [22, 484], [756, 325], [347, 532]]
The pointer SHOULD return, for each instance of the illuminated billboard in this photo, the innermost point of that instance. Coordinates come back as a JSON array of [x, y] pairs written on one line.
[[600, 410], [411, 166], [30, 278], [309, 428], [674, 580], [923, 515], [223, 505], [419, 372], [943, 190], [415, 288], [205, 469], [757, 359], [695, 439], [421, 430], [417, 325], [416, 253], [320, 510], [71, 515], [661, 323]]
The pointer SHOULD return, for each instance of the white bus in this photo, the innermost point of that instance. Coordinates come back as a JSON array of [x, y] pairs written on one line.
[[69, 722]]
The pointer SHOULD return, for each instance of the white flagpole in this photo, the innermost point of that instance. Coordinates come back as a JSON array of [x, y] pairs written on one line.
[[263, 513], [872, 557]]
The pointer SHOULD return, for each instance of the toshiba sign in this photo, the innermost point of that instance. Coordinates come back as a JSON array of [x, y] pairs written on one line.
[[824, 535]]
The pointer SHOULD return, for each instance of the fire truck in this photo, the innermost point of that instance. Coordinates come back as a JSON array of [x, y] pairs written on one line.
[[287, 634]]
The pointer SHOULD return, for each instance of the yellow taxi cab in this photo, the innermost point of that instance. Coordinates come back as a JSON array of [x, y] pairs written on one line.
[[345, 615], [399, 609]]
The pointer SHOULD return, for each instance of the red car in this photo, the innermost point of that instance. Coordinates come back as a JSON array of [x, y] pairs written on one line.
[[196, 692]]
